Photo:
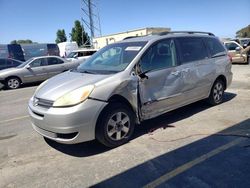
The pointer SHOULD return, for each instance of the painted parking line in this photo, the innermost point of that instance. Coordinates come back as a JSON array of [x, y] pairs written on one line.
[[13, 119], [192, 163]]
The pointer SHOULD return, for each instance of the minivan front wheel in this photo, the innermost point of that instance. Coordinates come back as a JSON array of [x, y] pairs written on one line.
[[217, 93], [116, 125]]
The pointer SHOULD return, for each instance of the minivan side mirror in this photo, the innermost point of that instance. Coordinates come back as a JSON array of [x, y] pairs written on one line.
[[237, 49], [28, 67]]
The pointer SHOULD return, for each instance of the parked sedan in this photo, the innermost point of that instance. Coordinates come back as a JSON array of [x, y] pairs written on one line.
[[8, 63], [35, 70], [237, 52]]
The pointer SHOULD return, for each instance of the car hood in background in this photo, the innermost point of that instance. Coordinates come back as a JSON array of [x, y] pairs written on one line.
[[8, 70], [66, 82]]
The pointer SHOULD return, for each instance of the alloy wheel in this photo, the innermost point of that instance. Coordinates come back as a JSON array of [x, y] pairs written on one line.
[[13, 83], [218, 92], [118, 126]]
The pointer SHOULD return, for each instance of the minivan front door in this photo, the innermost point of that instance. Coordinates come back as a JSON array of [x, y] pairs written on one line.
[[160, 90]]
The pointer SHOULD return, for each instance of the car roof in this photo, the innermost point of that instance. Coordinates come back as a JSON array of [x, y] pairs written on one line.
[[163, 35], [48, 56], [85, 50]]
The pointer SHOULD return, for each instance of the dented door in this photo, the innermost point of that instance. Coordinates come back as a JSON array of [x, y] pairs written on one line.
[[160, 90]]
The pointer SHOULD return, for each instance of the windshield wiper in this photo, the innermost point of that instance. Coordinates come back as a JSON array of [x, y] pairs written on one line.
[[88, 72]]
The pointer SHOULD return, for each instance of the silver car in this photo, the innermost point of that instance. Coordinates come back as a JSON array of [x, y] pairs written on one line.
[[128, 82], [35, 70]]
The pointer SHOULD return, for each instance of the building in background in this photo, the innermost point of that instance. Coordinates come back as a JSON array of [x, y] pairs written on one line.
[[100, 42]]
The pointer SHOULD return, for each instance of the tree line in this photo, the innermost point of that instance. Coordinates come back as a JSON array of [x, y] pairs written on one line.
[[244, 32], [77, 34]]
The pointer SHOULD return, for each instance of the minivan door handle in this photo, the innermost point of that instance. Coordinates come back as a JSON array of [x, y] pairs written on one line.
[[176, 73]]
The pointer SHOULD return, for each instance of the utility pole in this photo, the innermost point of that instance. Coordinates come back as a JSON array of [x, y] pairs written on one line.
[[90, 19]]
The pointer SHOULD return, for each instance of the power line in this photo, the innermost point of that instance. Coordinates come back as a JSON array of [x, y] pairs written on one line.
[[90, 19]]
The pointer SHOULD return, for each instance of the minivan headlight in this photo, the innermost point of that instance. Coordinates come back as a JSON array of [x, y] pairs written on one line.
[[74, 97]]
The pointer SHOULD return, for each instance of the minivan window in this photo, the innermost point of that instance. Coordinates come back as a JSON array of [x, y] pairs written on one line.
[[112, 58], [159, 56], [214, 46], [191, 49]]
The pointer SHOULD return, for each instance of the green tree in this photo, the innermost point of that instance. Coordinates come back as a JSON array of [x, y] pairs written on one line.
[[244, 32], [79, 35], [27, 41], [60, 36], [13, 42]]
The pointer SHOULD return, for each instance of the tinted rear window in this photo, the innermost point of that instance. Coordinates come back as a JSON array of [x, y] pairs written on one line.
[[214, 46], [191, 49], [16, 52]]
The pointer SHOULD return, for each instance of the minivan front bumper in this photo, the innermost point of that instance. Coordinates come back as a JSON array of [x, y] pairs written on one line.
[[68, 125]]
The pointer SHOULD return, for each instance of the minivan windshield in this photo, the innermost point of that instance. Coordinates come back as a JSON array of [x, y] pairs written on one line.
[[112, 58]]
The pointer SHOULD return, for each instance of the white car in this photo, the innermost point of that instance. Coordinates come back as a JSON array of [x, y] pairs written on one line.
[[66, 47], [81, 54]]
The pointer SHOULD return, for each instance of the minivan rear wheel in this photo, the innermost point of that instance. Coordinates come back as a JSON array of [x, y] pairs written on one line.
[[217, 93], [115, 125]]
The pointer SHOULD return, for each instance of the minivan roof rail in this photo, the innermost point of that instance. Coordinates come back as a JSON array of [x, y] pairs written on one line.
[[189, 32]]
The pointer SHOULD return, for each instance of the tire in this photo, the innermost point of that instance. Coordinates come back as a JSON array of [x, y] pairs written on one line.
[[110, 131], [12, 83], [217, 93]]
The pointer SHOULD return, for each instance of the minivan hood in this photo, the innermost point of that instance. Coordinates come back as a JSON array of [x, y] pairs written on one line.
[[66, 82]]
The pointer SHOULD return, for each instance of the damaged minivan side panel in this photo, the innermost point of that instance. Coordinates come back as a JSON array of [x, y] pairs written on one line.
[[162, 88]]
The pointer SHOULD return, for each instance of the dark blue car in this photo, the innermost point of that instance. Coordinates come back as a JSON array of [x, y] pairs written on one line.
[[8, 63]]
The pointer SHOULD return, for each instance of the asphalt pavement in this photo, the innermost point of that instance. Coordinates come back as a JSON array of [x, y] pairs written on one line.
[[194, 146]]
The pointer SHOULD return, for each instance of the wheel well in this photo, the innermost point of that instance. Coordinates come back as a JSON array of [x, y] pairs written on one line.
[[223, 79], [116, 99], [13, 77], [120, 99]]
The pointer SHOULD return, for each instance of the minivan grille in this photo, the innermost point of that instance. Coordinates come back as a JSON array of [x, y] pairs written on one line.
[[42, 102]]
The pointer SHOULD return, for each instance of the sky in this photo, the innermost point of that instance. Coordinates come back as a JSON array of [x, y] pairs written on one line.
[[39, 20]]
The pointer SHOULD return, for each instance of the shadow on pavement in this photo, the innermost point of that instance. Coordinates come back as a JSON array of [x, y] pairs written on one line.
[[215, 161], [93, 147]]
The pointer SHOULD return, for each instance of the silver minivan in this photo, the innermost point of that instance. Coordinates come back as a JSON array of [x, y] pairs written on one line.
[[128, 82]]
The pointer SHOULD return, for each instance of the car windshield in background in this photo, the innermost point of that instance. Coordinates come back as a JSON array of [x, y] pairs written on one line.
[[112, 58], [25, 63], [71, 54]]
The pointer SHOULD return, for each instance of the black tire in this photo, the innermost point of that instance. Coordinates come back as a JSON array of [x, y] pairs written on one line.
[[12, 83], [217, 93], [109, 125]]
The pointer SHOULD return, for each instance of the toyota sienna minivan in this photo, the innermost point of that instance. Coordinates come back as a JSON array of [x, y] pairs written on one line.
[[128, 82]]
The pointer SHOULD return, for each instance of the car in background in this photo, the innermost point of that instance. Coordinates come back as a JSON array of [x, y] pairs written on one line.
[[13, 51], [237, 52], [244, 42], [81, 54], [128, 82], [36, 50], [35, 70], [66, 47], [6, 63]]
